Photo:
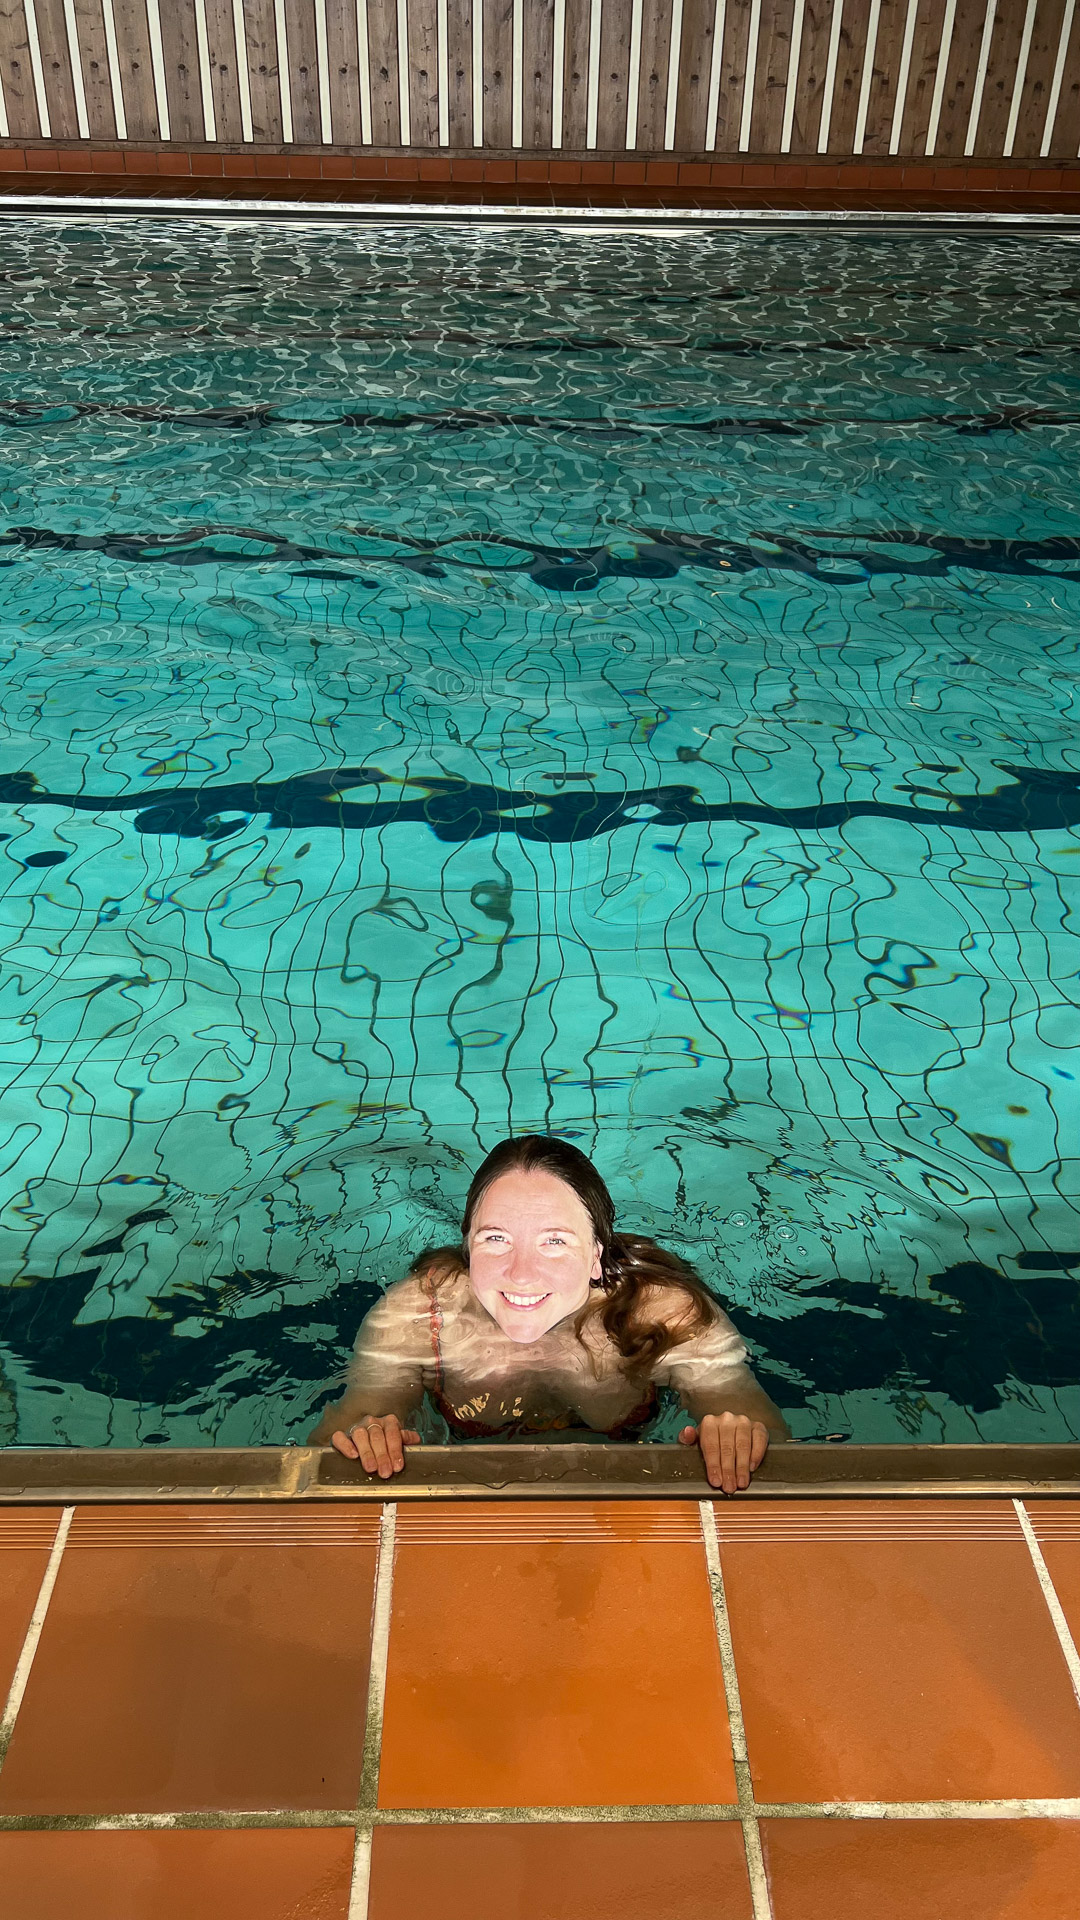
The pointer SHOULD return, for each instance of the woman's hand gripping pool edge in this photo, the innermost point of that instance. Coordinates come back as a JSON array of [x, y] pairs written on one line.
[[377, 1442], [732, 1446]]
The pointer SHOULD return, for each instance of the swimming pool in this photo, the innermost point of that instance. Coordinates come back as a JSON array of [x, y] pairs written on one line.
[[459, 680]]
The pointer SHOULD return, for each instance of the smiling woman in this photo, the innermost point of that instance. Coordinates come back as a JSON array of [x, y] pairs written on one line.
[[545, 1321]]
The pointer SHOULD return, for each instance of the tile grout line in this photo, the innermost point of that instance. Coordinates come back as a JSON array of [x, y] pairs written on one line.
[[289, 1818], [368, 1795], [748, 1813], [33, 1634], [1054, 1606]]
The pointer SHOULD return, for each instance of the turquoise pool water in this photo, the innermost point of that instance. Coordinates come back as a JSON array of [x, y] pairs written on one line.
[[458, 681]]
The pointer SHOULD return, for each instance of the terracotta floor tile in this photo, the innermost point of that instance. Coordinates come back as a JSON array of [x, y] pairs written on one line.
[[199, 1658], [603, 1872], [176, 1876], [884, 1655], [1057, 1529], [553, 1655], [26, 1537], [923, 1869]]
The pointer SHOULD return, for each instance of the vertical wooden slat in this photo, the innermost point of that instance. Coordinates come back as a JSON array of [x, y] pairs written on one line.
[[774, 47], [303, 72], [691, 133], [810, 80], [263, 71], [56, 70], [343, 58], [95, 69], [539, 24], [136, 72], [960, 78], [614, 75], [918, 93], [423, 73], [498, 69], [181, 50], [18, 79], [1042, 55], [221, 37], [385, 103], [576, 75], [1065, 132], [1000, 75], [652, 82], [882, 96], [848, 83], [732, 75], [459, 22]]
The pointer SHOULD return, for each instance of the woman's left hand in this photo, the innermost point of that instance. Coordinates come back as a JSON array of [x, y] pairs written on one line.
[[732, 1445]]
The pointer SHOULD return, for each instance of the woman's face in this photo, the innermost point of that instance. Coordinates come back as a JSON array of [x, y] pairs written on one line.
[[532, 1253]]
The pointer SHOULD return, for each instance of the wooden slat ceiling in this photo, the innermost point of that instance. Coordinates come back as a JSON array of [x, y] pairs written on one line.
[[985, 79]]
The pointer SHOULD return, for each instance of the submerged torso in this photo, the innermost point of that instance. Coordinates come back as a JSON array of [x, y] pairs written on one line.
[[437, 1339]]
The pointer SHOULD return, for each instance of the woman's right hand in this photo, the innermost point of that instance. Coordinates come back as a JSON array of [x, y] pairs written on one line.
[[378, 1441]]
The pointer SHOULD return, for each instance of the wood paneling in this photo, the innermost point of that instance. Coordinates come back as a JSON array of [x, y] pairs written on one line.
[[576, 75], [232, 96]]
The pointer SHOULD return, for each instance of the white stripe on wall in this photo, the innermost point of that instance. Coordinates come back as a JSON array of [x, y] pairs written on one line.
[[363, 61], [115, 83], [715, 74], [674, 56], [593, 101], [902, 78], [444, 74], [753, 34], [830, 76], [1055, 84], [284, 81], [206, 84], [867, 76], [404, 109], [633, 77], [792, 82], [1021, 76], [478, 72], [517, 75], [37, 70], [243, 77], [322, 67], [75, 56], [939, 78], [157, 64], [980, 77]]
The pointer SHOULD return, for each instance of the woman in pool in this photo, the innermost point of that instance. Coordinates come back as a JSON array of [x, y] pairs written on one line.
[[545, 1320]]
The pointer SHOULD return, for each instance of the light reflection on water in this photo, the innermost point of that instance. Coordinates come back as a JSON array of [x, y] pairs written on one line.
[[462, 682]]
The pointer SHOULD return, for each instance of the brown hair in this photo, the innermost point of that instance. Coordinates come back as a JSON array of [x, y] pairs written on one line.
[[631, 1266]]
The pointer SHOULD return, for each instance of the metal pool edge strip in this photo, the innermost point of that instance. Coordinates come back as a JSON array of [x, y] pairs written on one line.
[[571, 219], [33, 1634]]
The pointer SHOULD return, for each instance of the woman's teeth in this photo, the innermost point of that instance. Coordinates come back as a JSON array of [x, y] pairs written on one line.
[[525, 1299]]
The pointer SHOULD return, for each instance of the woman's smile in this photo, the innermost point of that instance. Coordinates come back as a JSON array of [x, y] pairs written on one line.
[[525, 1300]]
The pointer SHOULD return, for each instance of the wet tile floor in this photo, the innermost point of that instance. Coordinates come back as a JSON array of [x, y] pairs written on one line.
[[541, 1710]]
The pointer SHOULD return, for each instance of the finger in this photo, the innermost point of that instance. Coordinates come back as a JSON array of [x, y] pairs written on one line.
[[760, 1445], [688, 1437], [728, 1471], [743, 1440], [344, 1445], [410, 1438], [712, 1451], [392, 1434], [377, 1437], [364, 1439]]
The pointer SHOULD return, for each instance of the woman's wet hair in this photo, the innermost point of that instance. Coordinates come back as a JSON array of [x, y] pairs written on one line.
[[632, 1267]]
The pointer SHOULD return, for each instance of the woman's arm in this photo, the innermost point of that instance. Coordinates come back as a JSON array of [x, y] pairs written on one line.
[[385, 1388], [734, 1416]]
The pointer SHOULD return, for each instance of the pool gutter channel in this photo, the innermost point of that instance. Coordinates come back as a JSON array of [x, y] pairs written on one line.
[[591, 1470], [587, 219]]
